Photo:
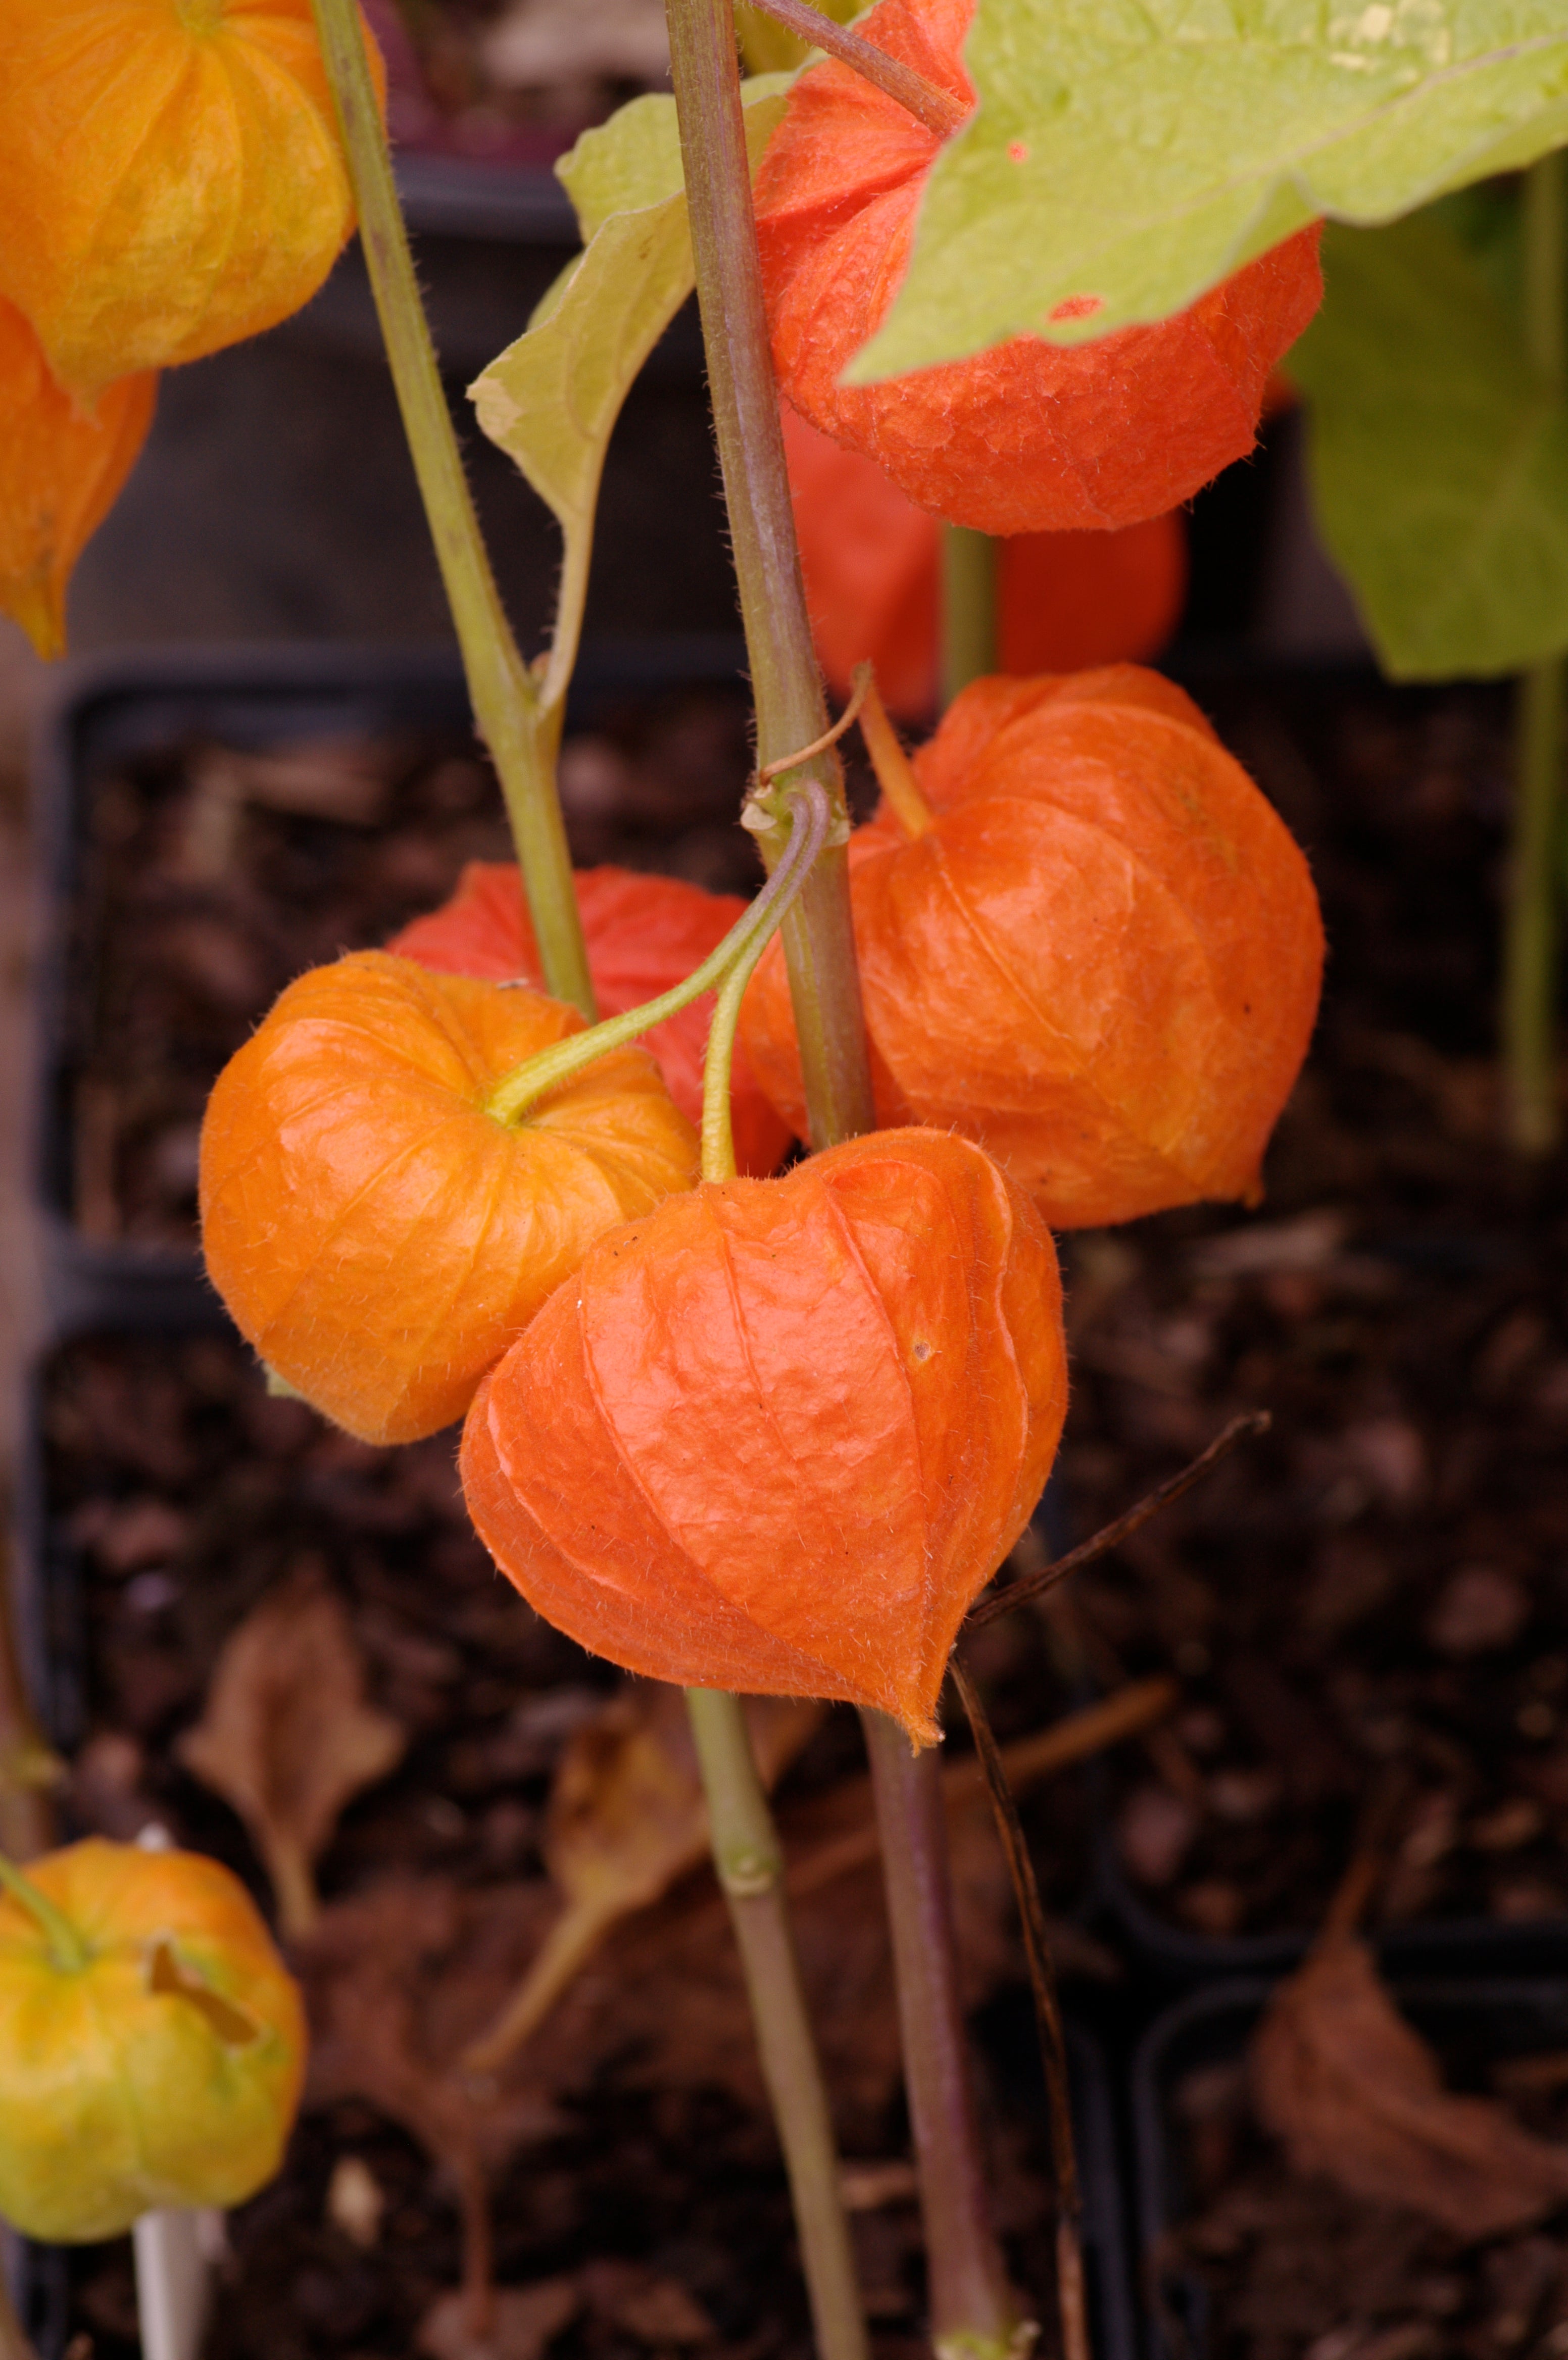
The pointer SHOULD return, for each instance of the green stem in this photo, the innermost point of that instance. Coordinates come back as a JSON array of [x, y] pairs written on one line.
[[968, 2291], [1529, 952], [521, 731], [969, 607], [813, 818], [746, 940], [750, 1863], [67, 1949]]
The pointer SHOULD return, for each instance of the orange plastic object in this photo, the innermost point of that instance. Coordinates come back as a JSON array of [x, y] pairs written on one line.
[[376, 1234], [1101, 958], [1028, 437], [165, 2068], [777, 1437], [872, 566], [644, 935], [60, 472], [171, 175]]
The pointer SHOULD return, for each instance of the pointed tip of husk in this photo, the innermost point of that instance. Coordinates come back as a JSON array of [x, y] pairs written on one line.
[[40, 611]]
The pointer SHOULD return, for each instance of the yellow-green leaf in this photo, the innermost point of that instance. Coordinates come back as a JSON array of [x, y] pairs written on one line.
[[1439, 455], [552, 399], [1137, 151]]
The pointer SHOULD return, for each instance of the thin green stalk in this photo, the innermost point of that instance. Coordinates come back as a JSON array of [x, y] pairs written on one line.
[[746, 940], [521, 731], [968, 2291], [969, 607], [746, 1851], [750, 1863], [1529, 954], [812, 820], [66, 1946]]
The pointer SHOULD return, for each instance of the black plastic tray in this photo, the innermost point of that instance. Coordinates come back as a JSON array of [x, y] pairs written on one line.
[[1486, 2016], [107, 708], [1176, 1961], [49, 1600]]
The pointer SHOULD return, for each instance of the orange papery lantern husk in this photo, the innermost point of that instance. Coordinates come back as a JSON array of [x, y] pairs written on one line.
[[872, 562], [171, 177], [376, 1234], [1102, 959], [1030, 436], [644, 935], [60, 472], [778, 1435], [166, 2069]]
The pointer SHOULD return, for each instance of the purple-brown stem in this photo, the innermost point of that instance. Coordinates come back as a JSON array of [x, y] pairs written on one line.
[[971, 2308], [941, 114], [972, 2311]]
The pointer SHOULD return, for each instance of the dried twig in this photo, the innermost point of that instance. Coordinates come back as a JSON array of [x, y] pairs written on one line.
[[1110, 1536], [15, 2341], [1048, 2011], [29, 1771]]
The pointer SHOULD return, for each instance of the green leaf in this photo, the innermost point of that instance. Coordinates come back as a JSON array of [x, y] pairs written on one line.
[[1439, 455], [552, 399], [1136, 152]]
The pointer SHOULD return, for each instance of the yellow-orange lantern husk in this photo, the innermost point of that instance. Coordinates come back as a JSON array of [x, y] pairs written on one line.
[[778, 1435], [378, 1235], [60, 472], [164, 2071], [1102, 959], [171, 177]]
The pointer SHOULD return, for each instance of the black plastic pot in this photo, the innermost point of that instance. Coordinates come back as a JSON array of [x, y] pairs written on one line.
[[1482, 2020], [1176, 1960], [251, 698]]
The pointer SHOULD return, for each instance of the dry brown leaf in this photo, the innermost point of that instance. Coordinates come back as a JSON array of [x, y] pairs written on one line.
[[516, 2323], [627, 1818], [1356, 2096], [287, 1736], [656, 2310]]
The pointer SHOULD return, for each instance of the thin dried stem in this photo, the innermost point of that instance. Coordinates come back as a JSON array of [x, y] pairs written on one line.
[[15, 2343], [1110, 1536], [29, 1771], [1047, 2012]]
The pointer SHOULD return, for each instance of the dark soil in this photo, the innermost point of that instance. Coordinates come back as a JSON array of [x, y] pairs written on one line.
[[1283, 2266], [1375, 1599], [214, 878], [639, 2153]]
